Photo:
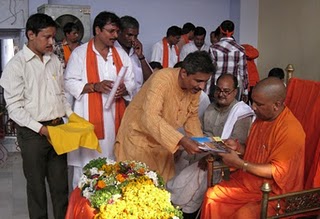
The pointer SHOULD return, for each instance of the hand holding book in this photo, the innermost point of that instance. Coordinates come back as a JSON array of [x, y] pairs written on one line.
[[211, 144]]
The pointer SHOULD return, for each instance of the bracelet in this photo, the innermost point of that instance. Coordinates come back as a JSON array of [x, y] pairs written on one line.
[[142, 58], [245, 166]]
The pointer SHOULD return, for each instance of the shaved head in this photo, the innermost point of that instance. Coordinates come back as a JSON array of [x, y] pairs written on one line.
[[272, 88], [268, 98]]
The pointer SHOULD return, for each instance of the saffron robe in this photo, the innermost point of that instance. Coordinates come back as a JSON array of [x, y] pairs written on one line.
[[148, 130], [281, 143]]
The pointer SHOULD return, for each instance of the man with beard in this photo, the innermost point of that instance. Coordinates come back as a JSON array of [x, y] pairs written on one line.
[[168, 101], [34, 94], [128, 41], [198, 43], [92, 69]]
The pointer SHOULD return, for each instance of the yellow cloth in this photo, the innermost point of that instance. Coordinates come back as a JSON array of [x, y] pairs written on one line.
[[70, 136], [149, 129]]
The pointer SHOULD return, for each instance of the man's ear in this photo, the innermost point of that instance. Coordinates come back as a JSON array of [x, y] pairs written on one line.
[[277, 105], [31, 35], [183, 73]]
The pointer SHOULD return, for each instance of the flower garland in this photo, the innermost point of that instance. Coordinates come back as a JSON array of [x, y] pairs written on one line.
[[126, 189]]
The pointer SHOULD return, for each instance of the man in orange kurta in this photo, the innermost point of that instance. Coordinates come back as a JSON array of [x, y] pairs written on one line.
[[167, 101], [274, 153]]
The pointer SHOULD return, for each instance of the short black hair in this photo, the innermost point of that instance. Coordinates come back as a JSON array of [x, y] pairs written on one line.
[[178, 64], [198, 61], [39, 21], [227, 25], [104, 18], [128, 22], [187, 27], [174, 31], [199, 31], [276, 72], [70, 26], [154, 65]]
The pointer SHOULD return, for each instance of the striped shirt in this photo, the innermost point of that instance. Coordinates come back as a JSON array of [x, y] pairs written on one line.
[[230, 58]]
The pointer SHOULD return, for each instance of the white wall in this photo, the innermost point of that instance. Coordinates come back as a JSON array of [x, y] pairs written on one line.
[[156, 16]]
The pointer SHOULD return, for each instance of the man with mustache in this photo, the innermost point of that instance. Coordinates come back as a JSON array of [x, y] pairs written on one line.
[[129, 42], [274, 152], [225, 117], [33, 90], [90, 75], [167, 101]]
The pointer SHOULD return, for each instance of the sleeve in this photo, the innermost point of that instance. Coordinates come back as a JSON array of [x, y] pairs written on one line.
[[241, 129], [153, 119], [183, 53], [12, 81], [129, 77], [288, 154], [65, 102], [157, 52], [74, 80], [243, 72], [192, 126]]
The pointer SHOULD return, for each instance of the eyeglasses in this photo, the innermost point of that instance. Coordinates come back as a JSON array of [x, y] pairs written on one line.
[[112, 31], [224, 92]]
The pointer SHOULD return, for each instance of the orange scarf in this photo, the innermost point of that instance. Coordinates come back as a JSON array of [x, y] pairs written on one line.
[[95, 99], [185, 38], [67, 53], [165, 57]]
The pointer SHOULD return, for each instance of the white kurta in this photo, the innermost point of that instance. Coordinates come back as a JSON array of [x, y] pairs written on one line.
[[191, 47], [75, 80], [136, 67], [157, 54]]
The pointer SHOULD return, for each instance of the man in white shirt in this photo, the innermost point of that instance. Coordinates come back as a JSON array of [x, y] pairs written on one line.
[[34, 94], [90, 75], [166, 51], [128, 41], [198, 43]]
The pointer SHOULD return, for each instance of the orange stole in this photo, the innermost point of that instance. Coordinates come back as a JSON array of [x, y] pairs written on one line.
[[95, 99], [67, 53], [185, 38], [165, 55]]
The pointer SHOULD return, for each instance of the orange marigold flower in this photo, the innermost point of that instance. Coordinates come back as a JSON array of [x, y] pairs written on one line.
[[141, 171], [101, 184], [120, 178]]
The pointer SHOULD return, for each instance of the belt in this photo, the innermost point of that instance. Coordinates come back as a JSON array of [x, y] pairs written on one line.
[[56, 121]]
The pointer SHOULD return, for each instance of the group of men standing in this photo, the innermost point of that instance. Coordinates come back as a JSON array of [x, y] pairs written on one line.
[[143, 128]]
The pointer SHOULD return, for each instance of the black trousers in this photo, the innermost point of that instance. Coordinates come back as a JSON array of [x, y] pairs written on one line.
[[40, 162]]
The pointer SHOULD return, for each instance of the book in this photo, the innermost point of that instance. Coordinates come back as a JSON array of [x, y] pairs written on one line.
[[211, 144]]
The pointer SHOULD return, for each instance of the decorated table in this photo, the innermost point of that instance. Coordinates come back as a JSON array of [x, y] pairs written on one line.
[[128, 189]]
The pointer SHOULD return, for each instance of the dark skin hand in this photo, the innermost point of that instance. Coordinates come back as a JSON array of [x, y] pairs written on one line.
[[105, 86], [191, 146]]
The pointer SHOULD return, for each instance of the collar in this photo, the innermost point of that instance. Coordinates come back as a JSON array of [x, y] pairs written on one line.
[[29, 55]]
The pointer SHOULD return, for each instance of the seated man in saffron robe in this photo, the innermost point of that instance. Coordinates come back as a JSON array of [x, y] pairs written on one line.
[[274, 153]]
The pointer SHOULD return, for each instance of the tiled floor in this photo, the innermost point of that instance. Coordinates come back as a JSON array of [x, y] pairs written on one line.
[[13, 199]]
